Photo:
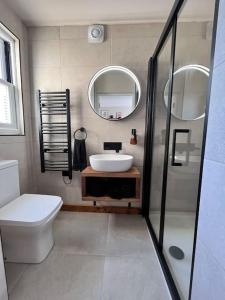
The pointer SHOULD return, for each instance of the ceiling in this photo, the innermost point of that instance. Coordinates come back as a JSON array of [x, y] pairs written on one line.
[[72, 12]]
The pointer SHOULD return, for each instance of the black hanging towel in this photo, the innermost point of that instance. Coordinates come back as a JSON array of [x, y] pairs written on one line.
[[79, 152]]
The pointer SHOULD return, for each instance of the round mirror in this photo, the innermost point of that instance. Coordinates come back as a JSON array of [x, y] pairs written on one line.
[[190, 88], [114, 93]]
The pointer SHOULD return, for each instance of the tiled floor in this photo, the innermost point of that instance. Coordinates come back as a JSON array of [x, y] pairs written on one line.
[[95, 257]]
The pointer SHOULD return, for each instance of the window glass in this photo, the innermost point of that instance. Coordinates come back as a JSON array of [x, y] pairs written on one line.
[[11, 112]]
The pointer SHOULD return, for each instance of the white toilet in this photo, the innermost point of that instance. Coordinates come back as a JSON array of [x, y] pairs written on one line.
[[25, 221]]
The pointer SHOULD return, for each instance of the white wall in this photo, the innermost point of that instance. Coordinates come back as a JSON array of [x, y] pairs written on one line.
[[209, 271], [20, 147]]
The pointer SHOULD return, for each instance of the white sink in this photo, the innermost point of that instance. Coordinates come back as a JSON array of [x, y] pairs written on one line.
[[111, 162]]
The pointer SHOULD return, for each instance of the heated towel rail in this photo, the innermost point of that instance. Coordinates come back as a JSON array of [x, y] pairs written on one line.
[[55, 132]]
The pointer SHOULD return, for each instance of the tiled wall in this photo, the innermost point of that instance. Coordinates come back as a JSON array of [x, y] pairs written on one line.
[[209, 272], [61, 57], [20, 147]]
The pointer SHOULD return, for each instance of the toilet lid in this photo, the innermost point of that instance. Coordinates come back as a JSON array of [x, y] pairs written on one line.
[[29, 210]]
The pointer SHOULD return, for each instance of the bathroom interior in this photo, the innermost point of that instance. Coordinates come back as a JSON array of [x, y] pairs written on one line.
[[111, 150]]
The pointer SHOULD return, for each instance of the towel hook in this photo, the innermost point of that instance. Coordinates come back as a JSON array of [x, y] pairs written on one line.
[[81, 129]]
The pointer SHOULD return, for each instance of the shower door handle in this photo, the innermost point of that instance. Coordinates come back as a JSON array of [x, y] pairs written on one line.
[[175, 131]]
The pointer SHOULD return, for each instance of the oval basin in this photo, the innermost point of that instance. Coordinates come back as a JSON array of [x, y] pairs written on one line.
[[111, 162]]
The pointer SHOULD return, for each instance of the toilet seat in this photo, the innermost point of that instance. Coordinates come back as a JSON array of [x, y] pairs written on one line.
[[29, 210]]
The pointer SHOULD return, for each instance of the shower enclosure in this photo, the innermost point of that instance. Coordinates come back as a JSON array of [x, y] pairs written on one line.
[[178, 87]]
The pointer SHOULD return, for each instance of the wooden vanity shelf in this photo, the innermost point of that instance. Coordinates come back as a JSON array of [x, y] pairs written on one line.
[[101, 186]]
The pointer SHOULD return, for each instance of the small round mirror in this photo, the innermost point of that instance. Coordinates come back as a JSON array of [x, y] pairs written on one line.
[[190, 88], [114, 93]]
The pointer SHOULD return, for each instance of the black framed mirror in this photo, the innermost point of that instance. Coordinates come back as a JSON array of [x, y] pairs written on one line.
[[114, 93]]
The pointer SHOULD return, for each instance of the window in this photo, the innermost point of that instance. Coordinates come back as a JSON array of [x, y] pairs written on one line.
[[11, 108]]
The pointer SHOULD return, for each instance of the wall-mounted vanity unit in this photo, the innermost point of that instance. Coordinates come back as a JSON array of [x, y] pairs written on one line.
[[111, 186]]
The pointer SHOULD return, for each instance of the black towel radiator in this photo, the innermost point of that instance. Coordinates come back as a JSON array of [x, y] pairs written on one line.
[[55, 104]]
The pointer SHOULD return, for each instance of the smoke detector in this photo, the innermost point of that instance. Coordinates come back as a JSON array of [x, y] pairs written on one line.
[[96, 33]]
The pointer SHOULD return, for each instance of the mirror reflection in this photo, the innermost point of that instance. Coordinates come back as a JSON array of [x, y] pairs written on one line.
[[190, 87], [114, 93]]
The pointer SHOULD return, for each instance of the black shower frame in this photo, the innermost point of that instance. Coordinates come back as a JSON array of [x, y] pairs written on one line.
[[169, 27]]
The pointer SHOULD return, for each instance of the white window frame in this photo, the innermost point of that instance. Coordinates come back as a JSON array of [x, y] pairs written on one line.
[[15, 88]]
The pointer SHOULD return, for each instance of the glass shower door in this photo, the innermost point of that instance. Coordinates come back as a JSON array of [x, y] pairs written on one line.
[[160, 122], [190, 89], [176, 134]]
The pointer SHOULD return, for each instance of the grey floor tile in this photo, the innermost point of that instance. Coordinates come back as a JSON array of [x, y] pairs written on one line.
[[81, 233], [134, 279], [62, 277], [14, 273], [77, 269], [128, 235]]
